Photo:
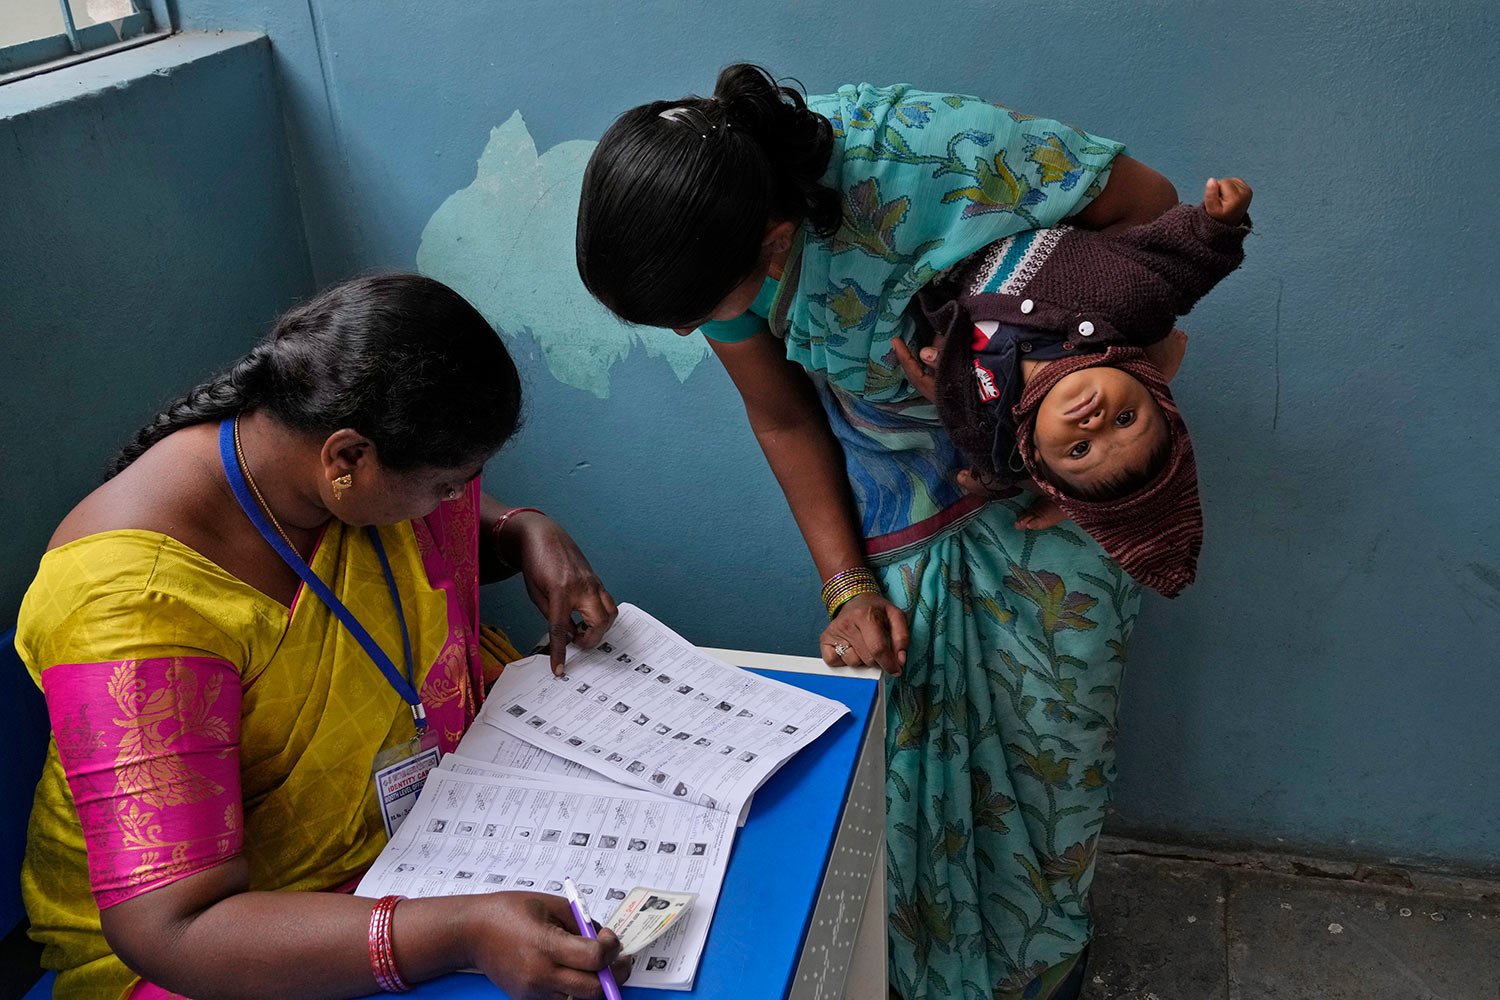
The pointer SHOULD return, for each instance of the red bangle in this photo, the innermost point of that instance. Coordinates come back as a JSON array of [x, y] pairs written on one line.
[[499, 524], [382, 952]]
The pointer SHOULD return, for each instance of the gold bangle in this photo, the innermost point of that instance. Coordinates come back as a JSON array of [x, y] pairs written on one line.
[[845, 598], [842, 577], [846, 585]]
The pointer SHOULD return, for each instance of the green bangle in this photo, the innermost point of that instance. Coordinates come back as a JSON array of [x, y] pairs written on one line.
[[846, 585], [851, 594]]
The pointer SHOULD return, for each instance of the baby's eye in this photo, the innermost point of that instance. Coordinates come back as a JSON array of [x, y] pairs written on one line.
[[1125, 418], [1079, 450]]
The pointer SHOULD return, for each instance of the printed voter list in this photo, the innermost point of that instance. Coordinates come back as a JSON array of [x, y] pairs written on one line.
[[627, 774]]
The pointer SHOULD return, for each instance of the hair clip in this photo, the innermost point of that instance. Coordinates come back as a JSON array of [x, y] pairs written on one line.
[[684, 115]]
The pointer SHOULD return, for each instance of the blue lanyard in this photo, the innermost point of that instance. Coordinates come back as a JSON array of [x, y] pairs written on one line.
[[405, 686]]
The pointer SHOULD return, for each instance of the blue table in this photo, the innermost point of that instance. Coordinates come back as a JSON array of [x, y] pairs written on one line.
[[776, 867]]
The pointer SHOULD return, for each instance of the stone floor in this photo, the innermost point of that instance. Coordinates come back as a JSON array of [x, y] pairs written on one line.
[[1188, 925]]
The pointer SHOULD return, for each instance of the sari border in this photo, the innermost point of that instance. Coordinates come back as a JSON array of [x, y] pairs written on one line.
[[888, 546], [778, 317]]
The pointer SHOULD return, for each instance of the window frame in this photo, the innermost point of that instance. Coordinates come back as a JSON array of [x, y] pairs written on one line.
[[151, 22]]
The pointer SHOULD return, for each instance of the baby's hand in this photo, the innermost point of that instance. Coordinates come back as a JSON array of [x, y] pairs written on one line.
[[1227, 200], [919, 372]]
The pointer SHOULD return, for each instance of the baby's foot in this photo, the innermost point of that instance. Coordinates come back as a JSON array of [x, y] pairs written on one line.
[[1045, 513], [1227, 200]]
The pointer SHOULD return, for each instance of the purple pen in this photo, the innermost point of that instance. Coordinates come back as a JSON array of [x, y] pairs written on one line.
[[586, 928]]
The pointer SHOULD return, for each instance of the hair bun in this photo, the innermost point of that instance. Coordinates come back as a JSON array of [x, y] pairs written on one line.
[[796, 140]]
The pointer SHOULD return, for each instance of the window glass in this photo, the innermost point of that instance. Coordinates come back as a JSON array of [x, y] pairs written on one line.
[[35, 35], [26, 20], [87, 12]]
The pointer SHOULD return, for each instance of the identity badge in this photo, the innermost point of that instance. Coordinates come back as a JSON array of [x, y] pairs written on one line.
[[398, 785]]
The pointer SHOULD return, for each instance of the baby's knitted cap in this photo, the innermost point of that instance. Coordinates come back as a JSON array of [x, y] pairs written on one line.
[[1155, 533]]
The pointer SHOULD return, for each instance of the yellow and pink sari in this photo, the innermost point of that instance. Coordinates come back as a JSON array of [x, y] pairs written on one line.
[[195, 719]]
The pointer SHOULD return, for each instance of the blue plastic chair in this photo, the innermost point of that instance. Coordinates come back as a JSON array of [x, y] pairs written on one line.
[[24, 731]]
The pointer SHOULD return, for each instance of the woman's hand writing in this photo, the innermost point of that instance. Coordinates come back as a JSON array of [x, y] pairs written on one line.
[[528, 944]]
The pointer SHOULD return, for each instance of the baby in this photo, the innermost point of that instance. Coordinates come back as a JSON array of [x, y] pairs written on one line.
[[1064, 384]]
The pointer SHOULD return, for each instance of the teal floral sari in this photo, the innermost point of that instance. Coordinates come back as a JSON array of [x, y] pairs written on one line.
[[1000, 733], [927, 179], [999, 754]]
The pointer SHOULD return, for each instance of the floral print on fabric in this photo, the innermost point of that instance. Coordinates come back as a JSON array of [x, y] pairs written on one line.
[[150, 748], [1000, 753], [1000, 733], [927, 179], [448, 541]]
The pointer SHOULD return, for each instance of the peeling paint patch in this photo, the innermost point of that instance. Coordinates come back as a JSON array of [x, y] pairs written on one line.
[[506, 243]]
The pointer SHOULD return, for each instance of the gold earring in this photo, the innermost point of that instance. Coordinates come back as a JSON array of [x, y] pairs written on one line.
[[342, 483]]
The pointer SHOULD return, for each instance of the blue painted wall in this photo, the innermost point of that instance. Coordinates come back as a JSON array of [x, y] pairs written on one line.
[[149, 232], [1331, 681]]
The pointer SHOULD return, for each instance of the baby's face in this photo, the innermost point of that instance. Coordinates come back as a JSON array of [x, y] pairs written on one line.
[[1097, 424]]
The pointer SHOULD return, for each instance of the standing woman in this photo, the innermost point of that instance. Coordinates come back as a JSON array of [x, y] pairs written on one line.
[[794, 234], [274, 595]]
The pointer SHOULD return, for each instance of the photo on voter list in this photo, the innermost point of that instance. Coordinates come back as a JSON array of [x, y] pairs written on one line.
[[749, 501]]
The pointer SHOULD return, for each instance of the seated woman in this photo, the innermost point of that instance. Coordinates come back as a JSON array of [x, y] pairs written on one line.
[[274, 594]]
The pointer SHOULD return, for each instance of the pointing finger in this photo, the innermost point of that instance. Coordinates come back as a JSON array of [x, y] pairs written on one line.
[[559, 632]]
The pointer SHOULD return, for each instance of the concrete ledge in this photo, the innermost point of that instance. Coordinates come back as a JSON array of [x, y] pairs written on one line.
[[119, 70]]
